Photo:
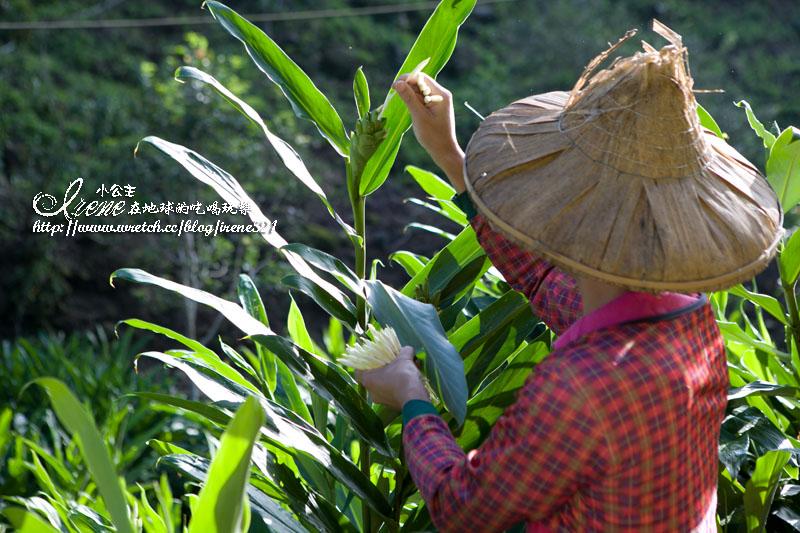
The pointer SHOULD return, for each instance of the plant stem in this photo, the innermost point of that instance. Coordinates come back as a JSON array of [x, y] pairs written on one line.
[[358, 202], [791, 302]]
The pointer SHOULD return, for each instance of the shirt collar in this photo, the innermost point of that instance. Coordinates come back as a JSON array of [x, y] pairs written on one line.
[[630, 307]]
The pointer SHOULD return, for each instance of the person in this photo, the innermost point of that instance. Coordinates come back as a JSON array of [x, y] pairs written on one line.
[[612, 210]]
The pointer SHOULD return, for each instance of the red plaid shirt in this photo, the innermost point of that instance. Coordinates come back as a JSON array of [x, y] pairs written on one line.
[[616, 430]]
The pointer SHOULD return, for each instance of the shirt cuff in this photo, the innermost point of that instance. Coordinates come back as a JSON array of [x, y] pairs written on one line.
[[415, 408], [464, 203]]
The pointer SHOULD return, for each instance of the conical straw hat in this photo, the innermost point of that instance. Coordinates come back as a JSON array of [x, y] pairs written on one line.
[[618, 182]]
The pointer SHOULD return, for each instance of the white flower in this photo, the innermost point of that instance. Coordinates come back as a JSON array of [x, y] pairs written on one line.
[[370, 354]]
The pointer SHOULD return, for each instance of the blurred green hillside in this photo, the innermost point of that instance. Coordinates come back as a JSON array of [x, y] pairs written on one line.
[[75, 102]]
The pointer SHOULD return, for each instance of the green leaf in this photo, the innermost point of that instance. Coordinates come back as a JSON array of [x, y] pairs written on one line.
[[234, 313], [39, 506], [307, 101], [488, 405], [327, 263], [333, 301], [790, 260], [411, 262], [251, 301], [148, 326], [265, 508], [768, 303], [732, 332], [27, 521], [436, 41], [760, 489], [229, 189], [417, 325], [78, 421], [733, 453], [761, 388], [331, 382], [448, 262], [432, 184], [290, 158], [361, 92], [221, 505], [757, 126], [783, 167], [707, 121]]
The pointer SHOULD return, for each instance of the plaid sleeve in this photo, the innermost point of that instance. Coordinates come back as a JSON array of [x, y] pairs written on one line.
[[553, 294], [536, 458]]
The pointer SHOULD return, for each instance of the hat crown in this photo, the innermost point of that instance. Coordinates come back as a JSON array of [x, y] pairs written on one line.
[[639, 117]]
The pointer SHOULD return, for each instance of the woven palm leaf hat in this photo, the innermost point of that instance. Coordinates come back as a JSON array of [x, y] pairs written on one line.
[[618, 182]]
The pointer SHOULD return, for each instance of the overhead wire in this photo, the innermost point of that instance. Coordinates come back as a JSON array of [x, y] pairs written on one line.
[[253, 17]]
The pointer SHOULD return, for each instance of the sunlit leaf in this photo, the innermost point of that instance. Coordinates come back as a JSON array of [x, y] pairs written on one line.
[[761, 388], [790, 260], [757, 126], [760, 489], [78, 421], [331, 300], [436, 41], [290, 158], [783, 168], [707, 121], [222, 498], [361, 92], [767, 303], [27, 521], [307, 101]]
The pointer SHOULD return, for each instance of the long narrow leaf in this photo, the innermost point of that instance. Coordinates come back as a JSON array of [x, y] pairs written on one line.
[[436, 41], [288, 155], [760, 489], [221, 505], [783, 168], [307, 101], [232, 192], [78, 421]]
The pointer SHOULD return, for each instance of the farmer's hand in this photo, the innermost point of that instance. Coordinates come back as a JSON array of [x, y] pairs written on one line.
[[396, 383], [434, 125]]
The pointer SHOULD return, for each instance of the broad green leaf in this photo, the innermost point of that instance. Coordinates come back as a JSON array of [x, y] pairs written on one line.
[[760, 489], [221, 505], [53, 462], [6, 416], [331, 382], [361, 92], [448, 262], [211, 367], [707, 121], [436, 41], [758, 127], [27, 521], [445, 209], [78, 421], [307, 101], [39, 507], [464, 280], [327, 263], [209, 412], [411, 262], [288, 386], [290, 158], [153, 523], [289, 433], [234, 313], [768, 303], [485, 408], [334, 302], [265, 508], [148, 326], [790, 260], [733, 453], [299, 334], [761, 388], [418, 325], [432, 184], [783, 167], [732, 332], [229, 189]]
